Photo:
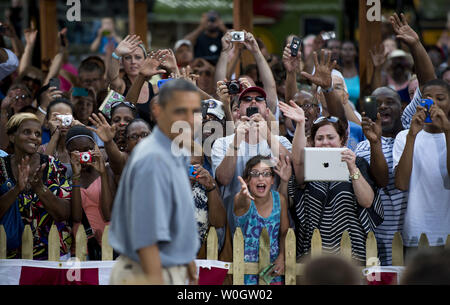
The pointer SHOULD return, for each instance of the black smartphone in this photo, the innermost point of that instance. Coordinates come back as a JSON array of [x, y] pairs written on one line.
[[295, 45], [370, 107], [54, 82], [251, 111]]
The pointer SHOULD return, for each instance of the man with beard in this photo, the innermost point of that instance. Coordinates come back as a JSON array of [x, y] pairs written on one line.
[[377, 150], [206, 38]]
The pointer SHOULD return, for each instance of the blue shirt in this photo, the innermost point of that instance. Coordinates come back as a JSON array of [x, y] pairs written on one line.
[[355, 136], [154, 204]]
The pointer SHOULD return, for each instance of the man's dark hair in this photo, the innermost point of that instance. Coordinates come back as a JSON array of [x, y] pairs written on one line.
[[136, 120], [92, 63], [437, 82], [330, 270], [395, 93], [430, 267], [166, 92]]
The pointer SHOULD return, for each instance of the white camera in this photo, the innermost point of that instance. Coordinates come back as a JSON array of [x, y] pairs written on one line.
[[237, 36], [66, 119]]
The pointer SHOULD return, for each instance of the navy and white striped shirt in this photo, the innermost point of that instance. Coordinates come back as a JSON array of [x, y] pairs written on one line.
[[394, 202]]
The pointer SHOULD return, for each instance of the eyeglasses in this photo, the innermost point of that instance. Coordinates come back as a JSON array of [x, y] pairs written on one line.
[[256, 174], [331, 119], [23, 96], [136, 137], [251, 98]]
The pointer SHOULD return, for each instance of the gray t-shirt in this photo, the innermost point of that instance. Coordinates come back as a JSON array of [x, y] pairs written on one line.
[[154, 204]]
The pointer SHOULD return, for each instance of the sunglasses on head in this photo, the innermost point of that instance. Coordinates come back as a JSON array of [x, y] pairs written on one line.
[[251, 98], [118, 103], [331, 119]]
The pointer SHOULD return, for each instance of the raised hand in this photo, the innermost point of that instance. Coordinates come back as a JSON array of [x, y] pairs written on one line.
[[36, 180], [293, 112], [372, 130], [244, 189], [418, 121], [102, 128], [128, 45], [439, 118], [150, 67], [75, 162], [378, 55], [402, 29], [250, 42], [349, 157], [203, 177], [322, 74], [30, 36], [98, 163], [24, 173], [291, 63], [186, 73], [284, 168], [222, 91], [167, 59]]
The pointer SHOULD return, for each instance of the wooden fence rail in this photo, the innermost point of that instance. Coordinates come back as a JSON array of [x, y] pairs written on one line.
[[238, 267]]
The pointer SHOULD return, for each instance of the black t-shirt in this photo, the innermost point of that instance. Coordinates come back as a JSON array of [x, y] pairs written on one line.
[[208, 48]]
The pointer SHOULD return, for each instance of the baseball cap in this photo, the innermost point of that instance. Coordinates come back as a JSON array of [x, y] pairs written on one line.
[[252, 89], [182, 42], [215, 108]]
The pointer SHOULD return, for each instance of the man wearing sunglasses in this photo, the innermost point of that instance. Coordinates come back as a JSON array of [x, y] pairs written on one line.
[[253, 135]]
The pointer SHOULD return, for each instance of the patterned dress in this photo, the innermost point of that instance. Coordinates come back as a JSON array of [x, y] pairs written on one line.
[[201, 210], [252, 224], [33, 211]]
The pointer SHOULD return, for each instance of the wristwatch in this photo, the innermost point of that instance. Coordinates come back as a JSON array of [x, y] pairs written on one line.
[[355, 175]]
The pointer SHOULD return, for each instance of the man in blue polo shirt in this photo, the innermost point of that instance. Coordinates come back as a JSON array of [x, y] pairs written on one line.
[[153, 225]]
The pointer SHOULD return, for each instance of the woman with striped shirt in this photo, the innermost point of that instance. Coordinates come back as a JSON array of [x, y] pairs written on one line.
[[332, 207]]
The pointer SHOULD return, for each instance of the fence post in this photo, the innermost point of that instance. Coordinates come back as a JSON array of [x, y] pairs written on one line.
[[212, 251], [346, 246], [53, 244], [290, 259], [316, 244], [27, 243], [238, 257], [397, 250], [264, 253], [3, 241], [447, 242], [371, 250], [107, 250], [81, 243], [423, 241]]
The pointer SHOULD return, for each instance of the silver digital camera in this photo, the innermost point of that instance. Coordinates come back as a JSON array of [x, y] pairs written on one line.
[[237, 36], [66, 119]]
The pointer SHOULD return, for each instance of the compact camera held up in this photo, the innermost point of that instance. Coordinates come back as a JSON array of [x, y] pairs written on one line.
[[66, 119], [237, 36], [234, 87], [85, 157]]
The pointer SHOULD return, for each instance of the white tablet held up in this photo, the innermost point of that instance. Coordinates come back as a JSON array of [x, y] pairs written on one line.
[[324, 164]]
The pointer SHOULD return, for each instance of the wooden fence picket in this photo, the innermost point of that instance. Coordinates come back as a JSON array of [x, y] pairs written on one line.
[[27, 243], [316, 244], [264, 253], [397, 250], [423, 242], [107, 250], [290, 271], [3, 241], [371, 250], [53, 244], [447, 242], [212, 251], [81, 244], [238, 257], [346, 246]]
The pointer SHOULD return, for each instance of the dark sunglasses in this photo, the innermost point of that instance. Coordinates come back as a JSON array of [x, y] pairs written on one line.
[[331, 119], [251, 98]]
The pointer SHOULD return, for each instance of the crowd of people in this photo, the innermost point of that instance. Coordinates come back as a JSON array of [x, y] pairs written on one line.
[[239, 158]]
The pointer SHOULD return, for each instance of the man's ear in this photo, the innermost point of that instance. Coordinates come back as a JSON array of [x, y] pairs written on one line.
[[11, 138]]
